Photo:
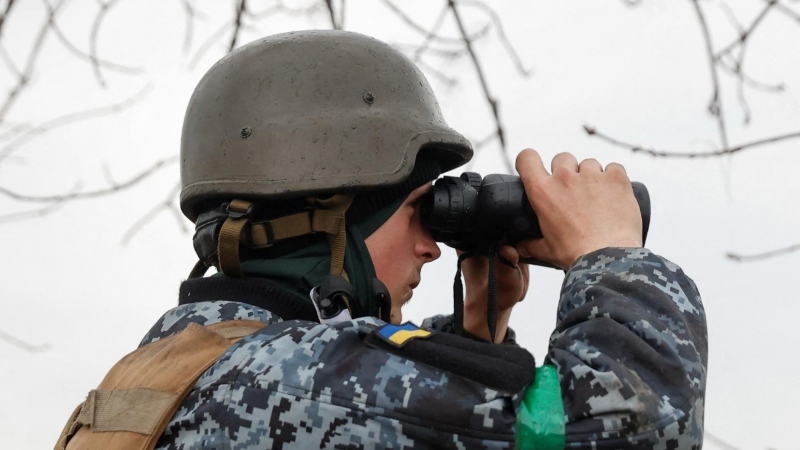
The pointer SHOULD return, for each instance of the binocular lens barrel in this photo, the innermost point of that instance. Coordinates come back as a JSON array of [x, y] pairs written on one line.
[[472, 213]]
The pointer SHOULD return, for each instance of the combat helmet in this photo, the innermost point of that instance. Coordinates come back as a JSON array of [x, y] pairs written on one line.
[[318, 115]]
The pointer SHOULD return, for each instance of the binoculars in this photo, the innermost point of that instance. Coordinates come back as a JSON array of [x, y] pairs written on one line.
[[474, 214]]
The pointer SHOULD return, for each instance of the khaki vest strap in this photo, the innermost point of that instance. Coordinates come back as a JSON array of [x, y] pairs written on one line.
[[135, 410], [230, 236], [140, 394], [236, 332], [70, 428]]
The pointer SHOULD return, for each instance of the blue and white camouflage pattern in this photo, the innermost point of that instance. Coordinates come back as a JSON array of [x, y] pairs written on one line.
[[630, 348]]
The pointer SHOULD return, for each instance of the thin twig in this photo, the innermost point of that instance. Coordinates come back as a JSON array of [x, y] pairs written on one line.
[[670, 154], [439, 75], [498, 25], [19, 343], [329, 5], [718, 442], [14, 130], [446, 53], [281, 8], [136, 179], [715, 105], [85, 56], [3, 17], [491, 100], [745, 34], [168, 204], [189, 27], [749, 81], [39, 212], [9, 62], [785, 10], [241, 7], [415, 26], [215, 36], [98, 21], [31, 214], [30, 133], [477, 145], [761, 256], [25, 74], [430, 35]]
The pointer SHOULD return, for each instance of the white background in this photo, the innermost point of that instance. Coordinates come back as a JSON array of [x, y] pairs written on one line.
[[639, 74]]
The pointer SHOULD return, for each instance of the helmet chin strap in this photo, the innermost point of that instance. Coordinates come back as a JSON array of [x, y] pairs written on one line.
[[325, 215], [335, 207]]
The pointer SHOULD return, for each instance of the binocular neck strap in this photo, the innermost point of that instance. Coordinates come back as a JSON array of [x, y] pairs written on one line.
[[491, 305]]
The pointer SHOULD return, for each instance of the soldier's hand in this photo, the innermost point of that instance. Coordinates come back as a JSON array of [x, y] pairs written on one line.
[[512, 285], [581, 207]]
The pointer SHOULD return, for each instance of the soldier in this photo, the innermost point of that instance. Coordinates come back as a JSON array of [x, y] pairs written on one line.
[[303, 159]]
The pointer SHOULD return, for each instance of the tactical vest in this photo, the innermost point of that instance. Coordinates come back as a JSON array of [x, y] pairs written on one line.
[[140, 394]]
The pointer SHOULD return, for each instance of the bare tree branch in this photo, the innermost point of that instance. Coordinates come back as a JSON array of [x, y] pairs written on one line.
[[191, 14], [29, 133], [168, 204], [717, 441], [215, 36], [9, 62], [31, 214], [310, 9], [441, 76], [136, 179], [591, 131], [731, 68], [430, 34], [98, 21], [737, 66], [9, 5], [419, 28], [446, 53], [26, 73], [491, 100], [761, 256], [498, 25], [85, 56], [334, 24], [19, 343], [241, 7], [785, 10], [715, 105]]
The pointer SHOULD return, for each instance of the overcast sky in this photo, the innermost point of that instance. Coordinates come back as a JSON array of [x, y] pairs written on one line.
[[639, 74]]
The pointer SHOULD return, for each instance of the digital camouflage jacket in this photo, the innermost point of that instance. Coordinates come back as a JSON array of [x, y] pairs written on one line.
[[629, 346]]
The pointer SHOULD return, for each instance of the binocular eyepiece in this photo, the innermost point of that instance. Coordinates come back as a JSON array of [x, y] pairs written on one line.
[[473, 214]]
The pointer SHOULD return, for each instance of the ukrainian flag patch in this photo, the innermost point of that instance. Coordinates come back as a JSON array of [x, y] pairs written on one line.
[[398, 335]]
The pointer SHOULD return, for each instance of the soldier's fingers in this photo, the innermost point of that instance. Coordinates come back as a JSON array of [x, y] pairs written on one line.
[[530, 167], [510, 255], [590, 165], [535, 248], [616, 167], [564, 161]]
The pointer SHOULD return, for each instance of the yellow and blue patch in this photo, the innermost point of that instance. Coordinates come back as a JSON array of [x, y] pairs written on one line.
[[399, 335]]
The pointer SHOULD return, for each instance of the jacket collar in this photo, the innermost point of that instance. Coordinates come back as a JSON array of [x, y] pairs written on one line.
[[254, 291]]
